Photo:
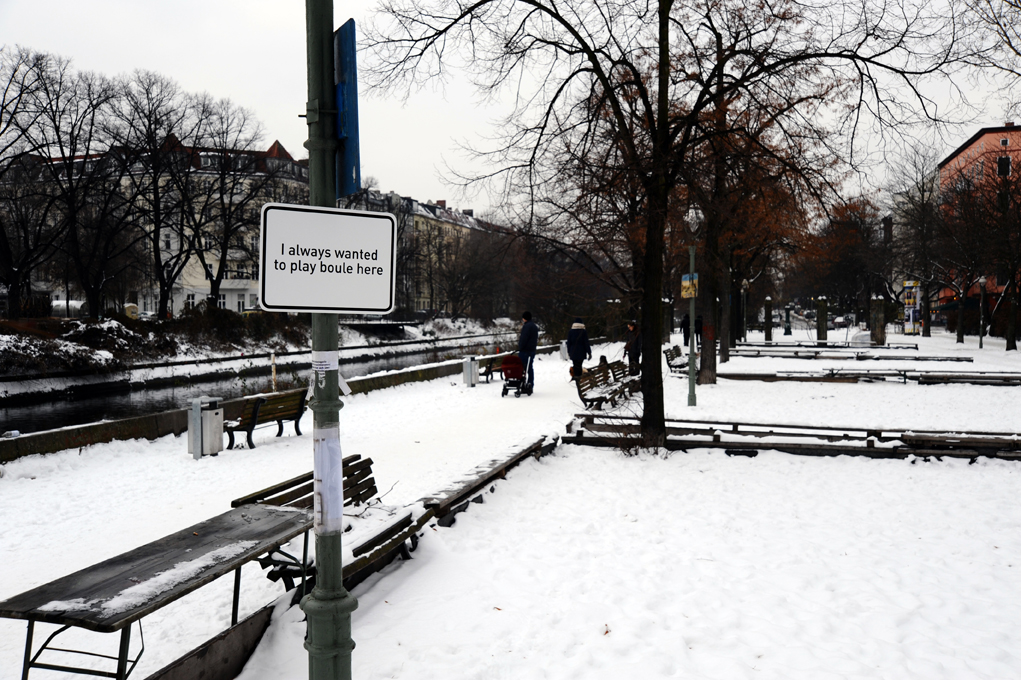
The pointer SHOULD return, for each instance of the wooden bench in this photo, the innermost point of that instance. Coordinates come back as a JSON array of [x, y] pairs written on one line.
[[597, 387], [265, 409], [492, 367], [620, 376], [676, 360], [371, 554], [110, 596]]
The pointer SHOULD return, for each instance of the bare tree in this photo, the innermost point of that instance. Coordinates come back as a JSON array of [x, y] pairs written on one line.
[[70, 129], [659, 79], [222, 187], [27, 239], [151, 118], [917, 215]]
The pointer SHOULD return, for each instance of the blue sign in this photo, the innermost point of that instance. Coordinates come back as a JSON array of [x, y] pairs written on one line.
[[345, 76]]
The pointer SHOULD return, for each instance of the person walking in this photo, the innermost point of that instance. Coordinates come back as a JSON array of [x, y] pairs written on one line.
[[686, 329], [578, 347], [633, 348], [528, 341]]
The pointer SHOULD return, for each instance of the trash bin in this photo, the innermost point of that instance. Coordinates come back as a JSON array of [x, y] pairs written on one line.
[[471, 371], [205, 427]]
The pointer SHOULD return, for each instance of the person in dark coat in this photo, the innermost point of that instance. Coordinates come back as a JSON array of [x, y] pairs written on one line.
[[528, 341], [686, 329], [578, 347], [633, 348]]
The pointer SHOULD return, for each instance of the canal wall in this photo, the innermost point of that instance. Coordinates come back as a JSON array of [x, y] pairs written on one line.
[[156, 425]]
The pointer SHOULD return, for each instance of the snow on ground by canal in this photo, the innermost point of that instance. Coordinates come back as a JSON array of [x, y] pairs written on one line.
[[588, 564]]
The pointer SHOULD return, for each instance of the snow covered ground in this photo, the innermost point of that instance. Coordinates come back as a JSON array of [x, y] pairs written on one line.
[[588, 564]]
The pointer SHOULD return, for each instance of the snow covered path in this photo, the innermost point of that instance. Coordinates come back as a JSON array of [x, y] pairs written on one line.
[[591, 565], [751, 551]]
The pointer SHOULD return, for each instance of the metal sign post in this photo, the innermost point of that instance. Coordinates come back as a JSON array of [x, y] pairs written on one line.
[[689, 289], [328, 607]]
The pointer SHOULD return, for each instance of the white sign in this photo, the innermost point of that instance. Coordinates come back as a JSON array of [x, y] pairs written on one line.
[[327, 260]]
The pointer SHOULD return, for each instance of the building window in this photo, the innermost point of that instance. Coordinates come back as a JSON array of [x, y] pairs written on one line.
[[189, 301], [1004, 142], [241, 302], [253, 301], [166, 243], [1003, 166], [221, 301]]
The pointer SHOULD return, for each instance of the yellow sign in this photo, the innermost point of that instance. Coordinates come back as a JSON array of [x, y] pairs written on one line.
[[689, 285]]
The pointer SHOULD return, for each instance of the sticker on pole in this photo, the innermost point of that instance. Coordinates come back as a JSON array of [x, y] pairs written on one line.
[[325, 260]]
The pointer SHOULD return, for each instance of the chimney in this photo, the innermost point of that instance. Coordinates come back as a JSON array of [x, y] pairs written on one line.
[[469, 212], [442, 204], [1009, 124]]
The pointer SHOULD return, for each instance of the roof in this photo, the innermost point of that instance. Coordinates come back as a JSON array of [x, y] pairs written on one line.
[[974, 138]]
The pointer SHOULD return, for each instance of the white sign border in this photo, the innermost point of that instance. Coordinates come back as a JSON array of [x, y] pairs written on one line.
[[263, 254]]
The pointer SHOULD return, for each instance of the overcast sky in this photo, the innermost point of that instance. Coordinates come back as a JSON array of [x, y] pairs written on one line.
[[253, 52]]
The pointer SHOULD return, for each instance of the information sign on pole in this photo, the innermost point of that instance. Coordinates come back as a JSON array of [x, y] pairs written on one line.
[[689, 285], [328, 261]]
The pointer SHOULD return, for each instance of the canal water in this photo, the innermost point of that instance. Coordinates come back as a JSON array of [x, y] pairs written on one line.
[[65, 412]]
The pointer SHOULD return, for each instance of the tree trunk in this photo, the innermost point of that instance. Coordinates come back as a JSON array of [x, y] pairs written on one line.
[[726, 324], [14, 293], [707, 360], [960, 318], [653, 414], [1012, 317], [926, 312]]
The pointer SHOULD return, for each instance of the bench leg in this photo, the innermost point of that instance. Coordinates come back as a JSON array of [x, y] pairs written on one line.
[[230, 439], [28, 651], [122, 654], [251, 444], [297, 422], [280, 428], [237, 597]]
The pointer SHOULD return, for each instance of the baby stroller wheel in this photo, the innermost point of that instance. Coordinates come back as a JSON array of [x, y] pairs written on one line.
[[504, 393], [517, 394]]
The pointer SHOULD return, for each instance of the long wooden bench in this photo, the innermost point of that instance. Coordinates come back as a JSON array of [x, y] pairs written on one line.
[[111, 596], [371, 554], [265, 409]]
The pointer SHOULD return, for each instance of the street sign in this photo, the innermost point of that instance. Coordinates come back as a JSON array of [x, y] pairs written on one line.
[[689, 285], [328, 261]]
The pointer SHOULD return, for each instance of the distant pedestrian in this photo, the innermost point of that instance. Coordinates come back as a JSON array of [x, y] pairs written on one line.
[[633, 348], [686, 329], [578, 347], [528, 341], [698, 331]]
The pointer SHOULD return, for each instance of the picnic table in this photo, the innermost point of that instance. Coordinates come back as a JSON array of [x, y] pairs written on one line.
[[110, 596]]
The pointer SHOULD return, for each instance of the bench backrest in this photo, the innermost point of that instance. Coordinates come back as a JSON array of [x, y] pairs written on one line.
[[359, 487], [591, 380], [618, 371], [279, 406]]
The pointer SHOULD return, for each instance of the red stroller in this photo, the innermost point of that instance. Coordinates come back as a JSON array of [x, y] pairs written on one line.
[[514, 376]]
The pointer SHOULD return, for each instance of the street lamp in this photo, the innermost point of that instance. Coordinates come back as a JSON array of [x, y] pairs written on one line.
[[981, 309]]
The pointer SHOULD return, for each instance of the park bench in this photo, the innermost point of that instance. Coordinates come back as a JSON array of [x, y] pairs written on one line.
[[597, 387], [492, 367], [676, 361], [621, 378], [265, 409], [371, 553]]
